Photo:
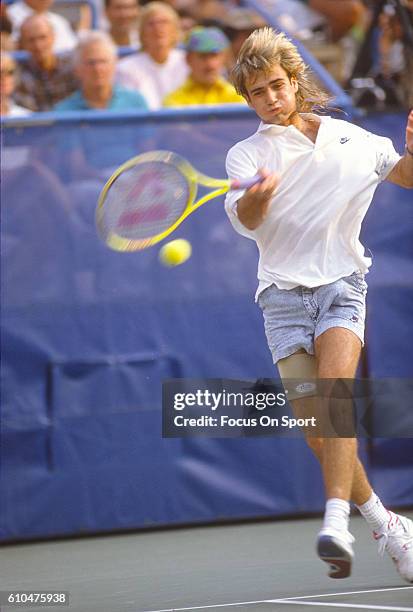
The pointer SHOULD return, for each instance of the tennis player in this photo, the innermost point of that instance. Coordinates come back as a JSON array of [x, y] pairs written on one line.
[[319, 177]]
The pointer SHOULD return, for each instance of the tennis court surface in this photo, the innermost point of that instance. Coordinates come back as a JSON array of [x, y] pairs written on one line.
[[264, 567]]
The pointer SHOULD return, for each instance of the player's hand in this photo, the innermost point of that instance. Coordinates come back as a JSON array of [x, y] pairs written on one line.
[[409, 131], [267, 186], [254, 204]]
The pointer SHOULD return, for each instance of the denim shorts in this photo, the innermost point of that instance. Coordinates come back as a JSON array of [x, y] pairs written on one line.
[[294, 318]]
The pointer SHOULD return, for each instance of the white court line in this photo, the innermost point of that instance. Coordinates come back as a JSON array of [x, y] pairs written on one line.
[[291, 602], [237, 603], [384, 590]]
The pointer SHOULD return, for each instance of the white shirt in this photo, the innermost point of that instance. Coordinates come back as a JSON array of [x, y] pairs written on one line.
[[154, 81], [65, 38], [311, 234], [17, 111]]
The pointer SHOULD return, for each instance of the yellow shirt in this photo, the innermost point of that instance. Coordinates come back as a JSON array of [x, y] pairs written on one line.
[[221, 92]]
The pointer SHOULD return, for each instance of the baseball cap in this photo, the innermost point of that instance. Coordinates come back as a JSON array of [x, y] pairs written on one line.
[[206, 40]]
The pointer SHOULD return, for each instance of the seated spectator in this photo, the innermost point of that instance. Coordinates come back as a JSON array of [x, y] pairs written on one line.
[[8, 108], [45, 77], [122, 16], [160, 67], [65, 38], [95, 65], [6, 28], [206, 56]]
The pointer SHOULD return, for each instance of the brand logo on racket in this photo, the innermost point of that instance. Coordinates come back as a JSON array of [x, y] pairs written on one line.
[[129, 218], [149, 179], [146, 191]]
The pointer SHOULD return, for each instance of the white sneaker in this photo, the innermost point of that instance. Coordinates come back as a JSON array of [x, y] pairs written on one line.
[[335, 548], [396, 537]]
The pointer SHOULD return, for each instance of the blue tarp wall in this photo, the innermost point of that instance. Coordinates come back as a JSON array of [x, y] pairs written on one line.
[[88, 335]]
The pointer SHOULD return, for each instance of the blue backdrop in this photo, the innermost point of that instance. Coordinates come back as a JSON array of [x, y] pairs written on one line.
[[88, 335]]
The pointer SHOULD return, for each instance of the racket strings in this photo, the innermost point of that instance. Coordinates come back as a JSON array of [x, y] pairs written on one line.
[[145, 200]]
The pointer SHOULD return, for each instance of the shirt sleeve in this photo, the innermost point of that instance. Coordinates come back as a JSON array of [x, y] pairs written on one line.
[[386, 155], [239, 164]]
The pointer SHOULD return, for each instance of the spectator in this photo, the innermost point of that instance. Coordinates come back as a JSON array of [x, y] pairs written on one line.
[[206, 56], [341, 16], [45, 77], [65, 38], [395, 62], [238, 24], [122, 16], [8, 108], [6, 29], [160, 67], [95, 64]]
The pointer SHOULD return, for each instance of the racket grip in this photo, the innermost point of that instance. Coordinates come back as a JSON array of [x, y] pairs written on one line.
[[246, 183]]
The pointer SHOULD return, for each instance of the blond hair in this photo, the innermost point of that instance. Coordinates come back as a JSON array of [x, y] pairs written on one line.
[[266, 48], [158, 7]]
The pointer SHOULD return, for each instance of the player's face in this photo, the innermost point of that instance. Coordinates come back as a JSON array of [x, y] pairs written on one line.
[[273, 96]]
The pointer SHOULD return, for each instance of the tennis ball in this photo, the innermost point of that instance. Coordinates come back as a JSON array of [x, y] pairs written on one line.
[[175, 253]]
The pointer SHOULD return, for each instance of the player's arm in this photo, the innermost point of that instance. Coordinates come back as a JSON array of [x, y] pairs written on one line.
[[402, 173], [252, 207]]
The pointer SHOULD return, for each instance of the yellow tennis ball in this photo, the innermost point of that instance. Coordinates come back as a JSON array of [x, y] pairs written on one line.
[[175, 253]]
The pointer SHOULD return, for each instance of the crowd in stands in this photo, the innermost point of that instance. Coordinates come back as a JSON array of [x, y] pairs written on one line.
[[149, 55]]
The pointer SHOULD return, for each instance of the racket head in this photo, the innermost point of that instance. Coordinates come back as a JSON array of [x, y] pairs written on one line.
[[145, 199]]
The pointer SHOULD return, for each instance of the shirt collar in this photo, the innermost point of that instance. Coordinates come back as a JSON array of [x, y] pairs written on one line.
[[279, 129]]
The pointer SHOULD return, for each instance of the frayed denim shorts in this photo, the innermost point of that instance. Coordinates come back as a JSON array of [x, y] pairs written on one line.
[[294, 318]]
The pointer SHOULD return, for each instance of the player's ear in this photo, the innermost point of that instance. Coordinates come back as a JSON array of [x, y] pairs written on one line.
[[294, 83]]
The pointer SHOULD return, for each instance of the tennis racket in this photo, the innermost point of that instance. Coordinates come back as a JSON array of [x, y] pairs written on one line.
[[150, 195]]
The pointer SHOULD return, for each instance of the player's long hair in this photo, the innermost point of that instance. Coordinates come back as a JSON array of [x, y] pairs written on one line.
[[264, 49]]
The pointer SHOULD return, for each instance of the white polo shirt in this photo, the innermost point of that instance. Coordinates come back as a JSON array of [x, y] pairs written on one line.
[[311, 234]]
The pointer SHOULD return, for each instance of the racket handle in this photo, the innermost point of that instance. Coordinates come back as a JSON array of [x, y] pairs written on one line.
[[246, 183]]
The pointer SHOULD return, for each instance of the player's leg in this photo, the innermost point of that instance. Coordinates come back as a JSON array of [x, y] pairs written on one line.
[[337, 352], [305, 404]]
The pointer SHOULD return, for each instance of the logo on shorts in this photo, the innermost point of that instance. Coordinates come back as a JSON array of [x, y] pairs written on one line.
[[305, 387], [344, 140]]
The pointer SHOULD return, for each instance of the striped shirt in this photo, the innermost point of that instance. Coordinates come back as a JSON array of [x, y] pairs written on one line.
[[41, 89]]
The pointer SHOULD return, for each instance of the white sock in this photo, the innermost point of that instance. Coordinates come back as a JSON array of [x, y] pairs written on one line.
[[374, 512], [337, 514]]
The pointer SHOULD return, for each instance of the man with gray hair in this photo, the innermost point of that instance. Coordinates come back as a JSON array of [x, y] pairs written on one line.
[[95, 64], [45, 77]]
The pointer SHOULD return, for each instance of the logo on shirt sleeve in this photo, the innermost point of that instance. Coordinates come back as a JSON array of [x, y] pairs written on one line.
[[344, 139]]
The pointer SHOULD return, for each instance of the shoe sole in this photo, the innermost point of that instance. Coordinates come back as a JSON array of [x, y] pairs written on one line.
[[332, 552]]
